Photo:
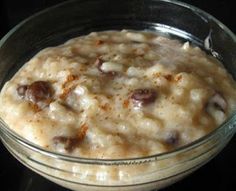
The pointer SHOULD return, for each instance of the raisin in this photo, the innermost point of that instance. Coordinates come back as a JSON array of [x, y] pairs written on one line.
[[70, 143], [38, 91], [172, 138], [144, 96]]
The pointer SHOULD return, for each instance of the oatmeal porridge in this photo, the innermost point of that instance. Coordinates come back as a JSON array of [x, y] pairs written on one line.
[[118, 94]]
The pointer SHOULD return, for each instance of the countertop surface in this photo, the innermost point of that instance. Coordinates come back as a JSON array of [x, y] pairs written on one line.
[[219, 174]]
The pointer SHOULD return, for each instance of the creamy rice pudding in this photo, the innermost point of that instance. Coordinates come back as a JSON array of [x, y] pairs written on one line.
[[118, 94]]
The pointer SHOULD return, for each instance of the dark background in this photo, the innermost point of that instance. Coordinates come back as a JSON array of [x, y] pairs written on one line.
[[218, 175]]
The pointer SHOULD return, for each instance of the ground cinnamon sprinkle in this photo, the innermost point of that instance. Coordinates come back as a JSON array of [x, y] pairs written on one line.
[[178, 78], [48, 101], [35, 107], [99, 42], [105, 107], [157, 75], [168, 77], [126, 103], [69, 79], [66, 92], [108, 96], [82, 132]]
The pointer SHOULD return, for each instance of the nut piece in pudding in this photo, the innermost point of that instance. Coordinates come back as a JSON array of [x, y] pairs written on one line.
[[99, 79]]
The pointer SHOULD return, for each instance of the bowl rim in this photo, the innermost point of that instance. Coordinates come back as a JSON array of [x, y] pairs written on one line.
[[121, 161]]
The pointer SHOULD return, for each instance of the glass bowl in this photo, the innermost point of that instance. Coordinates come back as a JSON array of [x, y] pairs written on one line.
[[73, 18]]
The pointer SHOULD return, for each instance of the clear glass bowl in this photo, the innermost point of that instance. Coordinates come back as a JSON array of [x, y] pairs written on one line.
[[62, 22]]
